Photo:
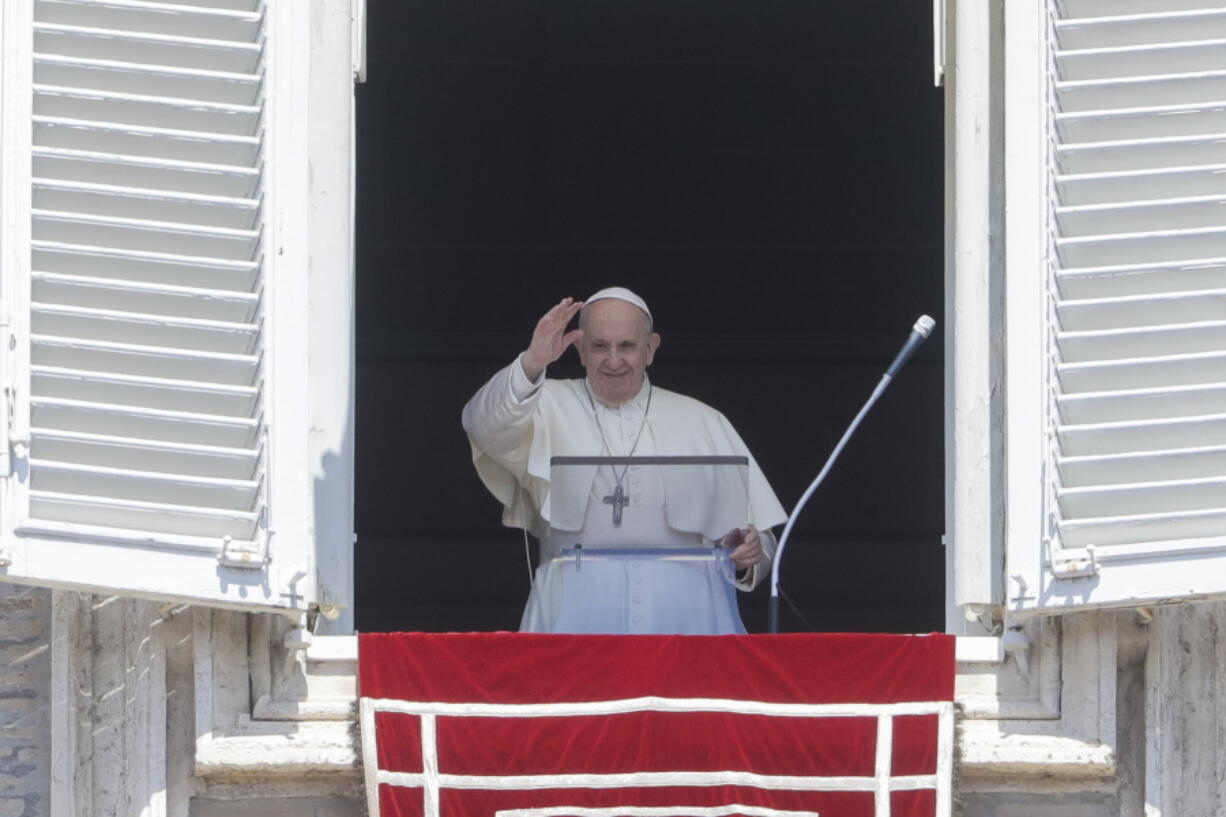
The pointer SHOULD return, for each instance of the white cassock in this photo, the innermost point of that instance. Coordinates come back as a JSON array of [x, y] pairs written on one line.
[[516, 427]]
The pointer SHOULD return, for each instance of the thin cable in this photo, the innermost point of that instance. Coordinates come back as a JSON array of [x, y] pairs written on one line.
[[528, 558], [796, 610]]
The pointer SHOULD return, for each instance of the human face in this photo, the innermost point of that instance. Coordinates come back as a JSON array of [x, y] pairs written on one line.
[[616, 348]]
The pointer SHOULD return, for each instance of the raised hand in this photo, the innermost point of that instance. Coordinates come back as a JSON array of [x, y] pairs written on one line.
[[550, 338]]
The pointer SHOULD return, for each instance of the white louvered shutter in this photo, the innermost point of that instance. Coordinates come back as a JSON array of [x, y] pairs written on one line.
[[1132, 316], [142, 364]]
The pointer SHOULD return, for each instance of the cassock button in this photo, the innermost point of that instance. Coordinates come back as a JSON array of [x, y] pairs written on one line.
[[638, 599]]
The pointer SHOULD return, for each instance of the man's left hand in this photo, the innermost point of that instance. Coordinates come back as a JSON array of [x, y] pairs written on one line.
[[748, 547]]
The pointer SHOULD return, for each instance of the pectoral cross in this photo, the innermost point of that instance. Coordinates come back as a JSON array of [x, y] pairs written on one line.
[[618, 500]]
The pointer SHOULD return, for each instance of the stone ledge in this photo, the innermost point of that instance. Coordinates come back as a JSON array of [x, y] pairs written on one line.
[[263, 749]]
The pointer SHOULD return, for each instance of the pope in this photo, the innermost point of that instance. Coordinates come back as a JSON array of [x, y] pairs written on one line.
[[520, 419]]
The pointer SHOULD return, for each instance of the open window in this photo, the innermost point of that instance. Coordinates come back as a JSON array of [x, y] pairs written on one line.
[[1116, 303], [156, 285]]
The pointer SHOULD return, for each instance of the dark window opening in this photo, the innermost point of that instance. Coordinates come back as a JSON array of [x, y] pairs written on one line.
[[767, 175]]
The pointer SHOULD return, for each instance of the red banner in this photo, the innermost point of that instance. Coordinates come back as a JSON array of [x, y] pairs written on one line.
[[519, 725]]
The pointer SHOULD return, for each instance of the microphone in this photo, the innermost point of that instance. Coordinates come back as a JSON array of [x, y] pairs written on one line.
[[919, 333]]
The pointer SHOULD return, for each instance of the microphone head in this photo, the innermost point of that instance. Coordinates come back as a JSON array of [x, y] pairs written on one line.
[[924, 326]]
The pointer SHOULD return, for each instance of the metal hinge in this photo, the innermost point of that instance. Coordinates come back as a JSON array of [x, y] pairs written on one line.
[[1075, 567], [243, 554]]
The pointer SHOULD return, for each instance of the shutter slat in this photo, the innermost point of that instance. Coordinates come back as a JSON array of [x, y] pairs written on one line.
[[1174, 496], [152, 80], [1151, 435], [146, 172], [151, 111], [146, 48], [1142, 404], [141, 486], [145, 204], [1139, 29], [1194, 244], [1124, 344], [1142, 154], [1119, 469], [1142, 123], [103, 512], [1142, 91], [1074, 9], [143, 455], [162, 18], [1096, 188], [1147, 372], [236, 5], [145, 424], [159, 143], [142, 234], [1148, 59], [162, 331], [144, 361], [1141, 279], [139, 296], [146, 392], [1155, 310], [160, 268], [1174, 529], [1140, 216]]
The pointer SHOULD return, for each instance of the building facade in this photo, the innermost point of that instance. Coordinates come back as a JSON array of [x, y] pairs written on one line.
[[176, 502]]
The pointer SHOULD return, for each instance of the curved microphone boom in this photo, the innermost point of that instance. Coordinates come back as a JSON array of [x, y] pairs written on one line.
[[919, 333]]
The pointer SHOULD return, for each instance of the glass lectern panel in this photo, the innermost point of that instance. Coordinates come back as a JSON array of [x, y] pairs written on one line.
[[642, 544]]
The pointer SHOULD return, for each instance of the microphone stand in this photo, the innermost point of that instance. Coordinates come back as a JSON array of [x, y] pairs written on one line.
[[919, 334]]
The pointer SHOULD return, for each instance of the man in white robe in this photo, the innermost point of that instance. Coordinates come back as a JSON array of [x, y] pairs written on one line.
[[520, 420]]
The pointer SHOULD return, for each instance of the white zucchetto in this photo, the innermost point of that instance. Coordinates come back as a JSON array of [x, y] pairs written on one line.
[[621, 294]]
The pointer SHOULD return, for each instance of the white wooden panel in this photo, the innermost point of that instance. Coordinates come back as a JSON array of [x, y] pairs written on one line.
[[1133, 242], [148, 299]]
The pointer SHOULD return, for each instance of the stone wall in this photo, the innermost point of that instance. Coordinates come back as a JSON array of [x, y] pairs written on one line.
[[25, 713]]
